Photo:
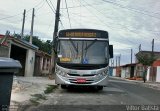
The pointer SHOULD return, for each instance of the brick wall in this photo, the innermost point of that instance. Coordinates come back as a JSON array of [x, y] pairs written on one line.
[[156, 63]]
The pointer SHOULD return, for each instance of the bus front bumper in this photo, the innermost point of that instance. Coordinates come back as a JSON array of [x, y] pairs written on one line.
[[72, 81]]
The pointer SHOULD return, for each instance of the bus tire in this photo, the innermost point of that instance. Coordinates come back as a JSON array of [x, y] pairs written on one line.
[[100, 87], [63, 86]]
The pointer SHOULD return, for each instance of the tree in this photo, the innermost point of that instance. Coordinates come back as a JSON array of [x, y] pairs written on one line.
[[45, 46], [146, 60]]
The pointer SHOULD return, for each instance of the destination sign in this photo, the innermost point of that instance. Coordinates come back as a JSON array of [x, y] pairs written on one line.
[[81, 34]]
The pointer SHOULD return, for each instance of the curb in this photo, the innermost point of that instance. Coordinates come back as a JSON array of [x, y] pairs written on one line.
[[155, 86]]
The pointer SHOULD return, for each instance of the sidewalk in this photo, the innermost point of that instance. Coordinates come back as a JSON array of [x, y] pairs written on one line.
[[149, 84], [24, 87]]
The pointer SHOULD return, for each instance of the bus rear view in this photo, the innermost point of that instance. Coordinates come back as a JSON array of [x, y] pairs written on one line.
[[83, 58]]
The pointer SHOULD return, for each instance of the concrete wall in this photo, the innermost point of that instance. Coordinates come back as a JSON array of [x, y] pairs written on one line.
[[123, 73], [114, 72], [4, 51], [127, 72], [158, 74], [148, 73], [30, 60]]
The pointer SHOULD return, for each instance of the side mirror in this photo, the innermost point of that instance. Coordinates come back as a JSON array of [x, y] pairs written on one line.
[[111, 51]]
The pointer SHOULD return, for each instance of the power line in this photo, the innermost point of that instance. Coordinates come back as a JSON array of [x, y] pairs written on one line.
[[35, 6], [82, 6], [131, 9], [51, 7], [75, 20], [68, 13], [38, 4], [146, 12], [62, 24], [20, 13], [122, 26], [41, 6], [102, 20], [10, 16]]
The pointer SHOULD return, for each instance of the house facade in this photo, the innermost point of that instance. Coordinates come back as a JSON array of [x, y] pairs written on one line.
[[20, 50], [153, 71], [128, 70], [42, 64]]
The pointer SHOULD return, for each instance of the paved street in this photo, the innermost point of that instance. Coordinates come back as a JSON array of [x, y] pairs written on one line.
[[118, 92]]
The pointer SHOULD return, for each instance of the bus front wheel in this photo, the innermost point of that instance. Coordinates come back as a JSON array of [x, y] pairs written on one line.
[[100, 87], [63, 86]]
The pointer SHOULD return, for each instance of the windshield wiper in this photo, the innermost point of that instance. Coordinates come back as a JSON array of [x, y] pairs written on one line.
[[76, 48], [87, 47], [90, 45]]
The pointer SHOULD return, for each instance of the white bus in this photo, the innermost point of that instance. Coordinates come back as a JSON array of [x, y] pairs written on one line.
[[82, 58]]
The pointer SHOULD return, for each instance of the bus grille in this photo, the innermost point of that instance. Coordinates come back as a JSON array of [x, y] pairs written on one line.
[[82, 75]]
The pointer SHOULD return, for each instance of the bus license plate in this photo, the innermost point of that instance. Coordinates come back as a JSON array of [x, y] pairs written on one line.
[[79, 80]]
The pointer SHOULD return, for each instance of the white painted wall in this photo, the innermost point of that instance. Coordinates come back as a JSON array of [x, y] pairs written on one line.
[[148, 70], [123, 73], [30, 60], [114, 72], [158, 74], [127, 73]]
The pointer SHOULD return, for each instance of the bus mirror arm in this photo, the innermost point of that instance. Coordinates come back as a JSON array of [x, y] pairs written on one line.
[[111, 51]]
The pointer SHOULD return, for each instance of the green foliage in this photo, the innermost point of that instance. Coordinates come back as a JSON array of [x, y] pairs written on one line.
[[45, 46], [50, 89], [36, 98], [146, 59], [34, 102], [39, 96]]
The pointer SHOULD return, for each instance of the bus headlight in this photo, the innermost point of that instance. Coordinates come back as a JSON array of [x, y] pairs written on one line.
[[60, 72], [104, 73]]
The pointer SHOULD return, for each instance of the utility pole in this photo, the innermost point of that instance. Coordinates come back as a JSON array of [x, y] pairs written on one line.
[[57, 18], [152, 55], [131, 55], [113, 63], [139, 47], [152, 45], [116, 61], [31, 34], [24, 14], [119, 59]]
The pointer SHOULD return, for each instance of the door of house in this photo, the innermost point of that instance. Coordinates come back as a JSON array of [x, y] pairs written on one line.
[[37, 66], [152, 74], [132, 72]]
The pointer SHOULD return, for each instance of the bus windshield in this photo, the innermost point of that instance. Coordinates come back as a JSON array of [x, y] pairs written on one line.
[[83, 52]]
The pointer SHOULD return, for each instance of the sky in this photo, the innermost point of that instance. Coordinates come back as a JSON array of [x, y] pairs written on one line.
[[129, 22]]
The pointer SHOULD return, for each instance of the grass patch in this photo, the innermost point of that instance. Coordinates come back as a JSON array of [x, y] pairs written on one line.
[[39, 96], [50, 88], [36, 97], [34, 101]]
